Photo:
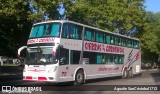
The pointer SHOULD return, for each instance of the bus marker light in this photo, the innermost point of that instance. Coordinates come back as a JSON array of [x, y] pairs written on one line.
[[42, 78], [28, 77]]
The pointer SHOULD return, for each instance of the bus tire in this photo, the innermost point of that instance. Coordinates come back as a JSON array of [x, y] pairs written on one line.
[[79, 78], [125, 74], [130, 73]]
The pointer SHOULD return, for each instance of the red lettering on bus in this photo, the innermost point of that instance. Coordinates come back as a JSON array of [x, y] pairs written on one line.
[[93, 47], [64, 73], [31, 41], [40, 40], [105, 68], [90, 46], [43, 40], [116, 68], [99, 47], [86, 47], [114, 49]]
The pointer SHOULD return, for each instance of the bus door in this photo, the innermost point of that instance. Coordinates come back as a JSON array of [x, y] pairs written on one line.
[[64, 73]]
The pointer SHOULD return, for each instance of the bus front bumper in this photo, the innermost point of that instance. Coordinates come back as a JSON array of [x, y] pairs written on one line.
[[40, 77]]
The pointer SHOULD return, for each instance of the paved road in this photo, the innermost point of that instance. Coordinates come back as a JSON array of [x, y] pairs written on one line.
[[98, 86]]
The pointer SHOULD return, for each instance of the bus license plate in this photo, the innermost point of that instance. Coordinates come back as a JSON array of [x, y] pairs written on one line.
[[34, 78]]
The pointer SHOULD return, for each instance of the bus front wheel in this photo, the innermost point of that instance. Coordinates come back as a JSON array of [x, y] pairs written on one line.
[[79, 78]]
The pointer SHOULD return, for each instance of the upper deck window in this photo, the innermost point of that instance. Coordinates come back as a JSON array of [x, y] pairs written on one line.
[[72, 31], [108, 38], [136, 44], [48, 29], [89, 34], [99, 37]]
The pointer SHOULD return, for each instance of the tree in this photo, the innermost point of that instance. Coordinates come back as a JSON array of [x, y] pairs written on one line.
[[17, 18], [107, 14], [14, 26], [150, 39]]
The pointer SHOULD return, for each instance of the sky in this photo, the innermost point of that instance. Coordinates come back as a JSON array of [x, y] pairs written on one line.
[[152, 5]]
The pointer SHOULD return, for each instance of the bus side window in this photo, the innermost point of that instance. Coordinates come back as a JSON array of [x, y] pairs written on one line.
[[120, 41], [75, 31], [116, 59], [99, 37], [112, 58], [99, 59], [134, 44], [131, 44], [91, 56], [125, 42], [108, 59], [89, 34], [79, 32], [138, 46], [121, 60], [112, 40], [64, 56], [116, 40], [65, 32], [108, 39], [75, 57], [71, 31]]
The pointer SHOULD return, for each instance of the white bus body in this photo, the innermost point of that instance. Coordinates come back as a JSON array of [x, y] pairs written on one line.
[[129, 58]]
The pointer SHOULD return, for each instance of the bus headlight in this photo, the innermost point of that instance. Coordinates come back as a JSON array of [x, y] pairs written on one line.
[[53, 69]]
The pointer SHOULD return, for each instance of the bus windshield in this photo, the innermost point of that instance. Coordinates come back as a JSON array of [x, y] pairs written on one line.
[[40, 56], [47, 29]]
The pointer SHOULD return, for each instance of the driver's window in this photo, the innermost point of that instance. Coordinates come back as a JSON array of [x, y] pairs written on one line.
[[64, 56]]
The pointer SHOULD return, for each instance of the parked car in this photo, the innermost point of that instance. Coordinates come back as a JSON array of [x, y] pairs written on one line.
[[3, 59]]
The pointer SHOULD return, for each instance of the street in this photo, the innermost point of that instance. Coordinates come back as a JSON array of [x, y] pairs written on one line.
[[97, 86]]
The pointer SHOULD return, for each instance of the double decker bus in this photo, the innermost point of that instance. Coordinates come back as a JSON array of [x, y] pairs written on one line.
[[62, 50]]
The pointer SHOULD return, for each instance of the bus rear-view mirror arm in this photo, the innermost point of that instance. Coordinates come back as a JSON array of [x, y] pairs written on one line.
[[20, 49]]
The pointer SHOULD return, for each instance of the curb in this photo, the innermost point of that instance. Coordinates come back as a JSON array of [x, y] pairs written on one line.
[[150, 70], [11, 77]]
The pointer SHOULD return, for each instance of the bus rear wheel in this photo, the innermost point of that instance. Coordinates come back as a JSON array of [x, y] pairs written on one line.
[[125, 74], [79, 78], [130, 73]]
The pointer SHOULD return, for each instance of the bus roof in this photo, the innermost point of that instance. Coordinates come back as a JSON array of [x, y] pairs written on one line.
[[64, 21]]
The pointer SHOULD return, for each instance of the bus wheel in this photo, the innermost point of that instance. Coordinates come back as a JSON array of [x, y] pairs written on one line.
[[125, 74], [79, 78], [130, 73]]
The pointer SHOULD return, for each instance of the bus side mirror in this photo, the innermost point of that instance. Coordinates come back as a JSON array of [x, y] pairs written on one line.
[[20, 49], [61, 46]]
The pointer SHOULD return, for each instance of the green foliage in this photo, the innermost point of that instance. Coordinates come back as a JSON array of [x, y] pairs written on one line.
[[16, 20], [47, 6], [14, 25], [106, 13], [150, 42]]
